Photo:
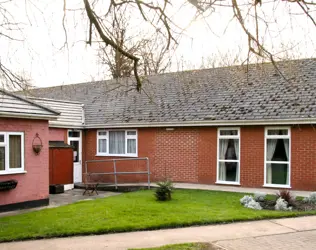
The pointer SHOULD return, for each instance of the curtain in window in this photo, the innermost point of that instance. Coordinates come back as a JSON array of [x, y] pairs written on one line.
[[131, 146], [230, 152], [223, 145], [117, 142], [102, 145], [287, 148], [15, 151], [271, 145], [236, 144]]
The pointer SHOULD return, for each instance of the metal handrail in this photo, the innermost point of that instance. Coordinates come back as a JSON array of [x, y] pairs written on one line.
[[115, 173]]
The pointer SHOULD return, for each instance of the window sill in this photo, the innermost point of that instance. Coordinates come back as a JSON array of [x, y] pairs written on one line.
[[276, 186], [228, 183], [16, 172], [113, 155]]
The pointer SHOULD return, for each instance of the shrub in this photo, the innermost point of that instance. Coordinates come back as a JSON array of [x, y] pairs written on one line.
[[282, 205], [253, 205], [259, 196], [306, 200], [164, 190], [287, 196], [311, 198], [246, 199]]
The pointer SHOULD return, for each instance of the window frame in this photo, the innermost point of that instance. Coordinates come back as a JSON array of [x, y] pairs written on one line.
[[6, 145], [127, 137], [219, 136], [266, 137]]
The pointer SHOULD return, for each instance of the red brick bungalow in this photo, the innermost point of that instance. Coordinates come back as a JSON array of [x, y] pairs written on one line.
[[24, 136], [250, 126]]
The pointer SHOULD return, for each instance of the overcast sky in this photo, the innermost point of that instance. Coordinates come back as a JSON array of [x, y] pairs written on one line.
[[43, 58]]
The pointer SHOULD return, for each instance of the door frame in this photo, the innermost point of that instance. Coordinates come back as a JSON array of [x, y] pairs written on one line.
[[79, 139]]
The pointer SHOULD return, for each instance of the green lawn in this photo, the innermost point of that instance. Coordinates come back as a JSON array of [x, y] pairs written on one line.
[[130, 212], [187, 246]]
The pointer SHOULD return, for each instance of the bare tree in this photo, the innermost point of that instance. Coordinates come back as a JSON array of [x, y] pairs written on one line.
[[220, 59], [10, 30], [157, 19], [249, 14], [117, 64], [152, 53], [155, 58]]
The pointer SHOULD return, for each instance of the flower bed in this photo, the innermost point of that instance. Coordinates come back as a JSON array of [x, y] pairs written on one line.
[[283, 201], [298, 205]]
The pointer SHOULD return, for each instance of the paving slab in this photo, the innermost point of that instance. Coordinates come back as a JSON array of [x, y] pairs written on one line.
[[155, 238], [75, 195], [221, 188], [236, 189], [68, 197], [299, 224], [292, 241]]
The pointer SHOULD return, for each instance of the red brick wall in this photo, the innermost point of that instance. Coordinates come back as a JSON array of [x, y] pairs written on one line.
[[32, 185], [303, 157], [176, 154], [58, 134], [303, 160], [207, 153], [145, 149], [190, 155], [252, 156]]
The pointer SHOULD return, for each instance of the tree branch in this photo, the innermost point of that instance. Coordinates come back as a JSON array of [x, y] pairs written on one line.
[[110, 42]]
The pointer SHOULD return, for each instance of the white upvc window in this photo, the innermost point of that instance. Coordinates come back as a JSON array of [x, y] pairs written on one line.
[[277, 159], [11, 153], [117, 143], [228, 156]]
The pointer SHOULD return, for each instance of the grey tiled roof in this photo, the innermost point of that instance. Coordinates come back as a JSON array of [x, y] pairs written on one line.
[[229, 93]]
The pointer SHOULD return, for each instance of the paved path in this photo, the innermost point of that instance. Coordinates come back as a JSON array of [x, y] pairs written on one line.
[[292, 233], [291, 241], [220, 188], [236, 189], [68, 197]]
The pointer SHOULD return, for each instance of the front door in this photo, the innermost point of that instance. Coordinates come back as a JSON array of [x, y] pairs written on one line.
[[74, 139]]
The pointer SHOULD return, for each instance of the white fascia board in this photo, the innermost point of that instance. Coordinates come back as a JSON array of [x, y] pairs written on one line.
[[66, 125], [28, 116]]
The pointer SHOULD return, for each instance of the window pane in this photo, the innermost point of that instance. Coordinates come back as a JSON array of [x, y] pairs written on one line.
[[228, 171], [131, 146], [102, 133], [117, 142], [278, 132], [228, 132], [277, 150], [74, 134], [277, 174], [1, 138], [102, 145], [131, 132], [229, 149], [75, 145], [15, 151], [2, 158]]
